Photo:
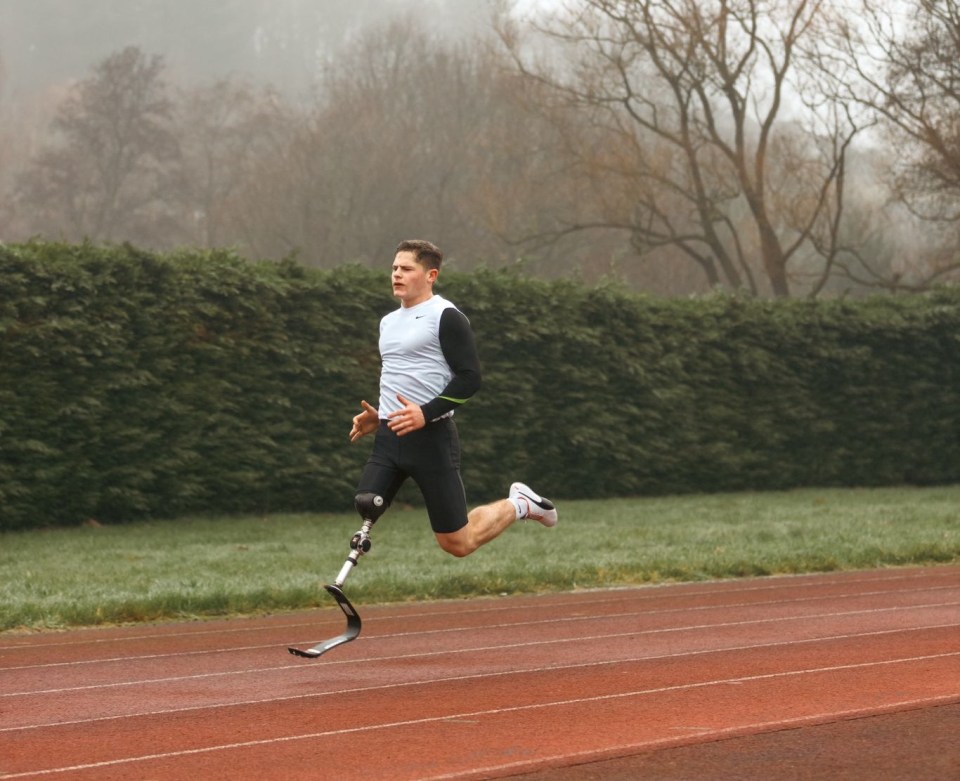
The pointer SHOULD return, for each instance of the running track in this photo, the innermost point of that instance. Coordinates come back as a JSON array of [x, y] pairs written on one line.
[[492, 688]]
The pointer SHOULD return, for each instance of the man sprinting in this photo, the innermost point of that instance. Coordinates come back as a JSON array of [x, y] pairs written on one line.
[[430, 368]]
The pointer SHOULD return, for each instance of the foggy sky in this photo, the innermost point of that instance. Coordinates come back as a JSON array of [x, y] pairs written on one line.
[[44, 43]]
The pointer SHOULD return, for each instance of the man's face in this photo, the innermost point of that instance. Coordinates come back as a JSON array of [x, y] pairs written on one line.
[[412, 283]]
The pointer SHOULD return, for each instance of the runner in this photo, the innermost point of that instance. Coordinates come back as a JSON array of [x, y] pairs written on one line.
[[429, 369]]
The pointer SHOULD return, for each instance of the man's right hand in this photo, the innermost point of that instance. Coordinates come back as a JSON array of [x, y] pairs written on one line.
[[365, 423]]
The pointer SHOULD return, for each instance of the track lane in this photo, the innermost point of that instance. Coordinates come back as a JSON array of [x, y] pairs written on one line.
[[158, 669], [700, 707], [671, 635]]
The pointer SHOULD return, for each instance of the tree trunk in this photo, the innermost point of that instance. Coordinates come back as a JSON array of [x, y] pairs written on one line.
[[774, 262]]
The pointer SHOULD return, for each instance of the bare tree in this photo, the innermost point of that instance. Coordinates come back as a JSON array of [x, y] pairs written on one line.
[[411, 134], [104, 175], [906, 56], [224, 130], [707, 132]]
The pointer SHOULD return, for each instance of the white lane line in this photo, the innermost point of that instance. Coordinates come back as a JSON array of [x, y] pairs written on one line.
[[494, 674], [490, 674], [486, 712], [488, 627], [447, 652], [638, 593]]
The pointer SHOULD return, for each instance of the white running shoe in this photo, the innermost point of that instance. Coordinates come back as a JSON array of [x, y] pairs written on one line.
[[538, 508]]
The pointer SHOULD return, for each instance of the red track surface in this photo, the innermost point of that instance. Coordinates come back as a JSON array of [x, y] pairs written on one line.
[[495, 687]]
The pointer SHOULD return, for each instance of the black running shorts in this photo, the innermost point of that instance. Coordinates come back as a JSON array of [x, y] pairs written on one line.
[[431, 456]]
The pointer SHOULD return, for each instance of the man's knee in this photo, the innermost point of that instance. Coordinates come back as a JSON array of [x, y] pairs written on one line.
[[457, 543]]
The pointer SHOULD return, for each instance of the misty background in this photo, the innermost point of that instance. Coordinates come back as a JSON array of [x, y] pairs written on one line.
[[539, 135], [284, 43]]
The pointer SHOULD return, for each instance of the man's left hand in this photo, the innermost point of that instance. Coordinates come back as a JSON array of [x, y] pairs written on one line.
[[406, 420]]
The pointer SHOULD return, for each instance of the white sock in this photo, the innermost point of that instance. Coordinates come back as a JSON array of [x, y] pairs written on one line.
[[520, 506]]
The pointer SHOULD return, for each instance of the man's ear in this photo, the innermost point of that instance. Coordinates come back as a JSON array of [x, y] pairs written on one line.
[[432, 274]]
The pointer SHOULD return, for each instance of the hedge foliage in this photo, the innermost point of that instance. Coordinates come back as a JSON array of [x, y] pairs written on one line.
[[140, 385]]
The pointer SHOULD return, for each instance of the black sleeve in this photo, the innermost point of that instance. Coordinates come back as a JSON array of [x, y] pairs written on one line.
[[460, 352]]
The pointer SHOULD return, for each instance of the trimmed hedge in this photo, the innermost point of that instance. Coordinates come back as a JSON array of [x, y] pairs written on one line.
[[140, 385], [600, 393]]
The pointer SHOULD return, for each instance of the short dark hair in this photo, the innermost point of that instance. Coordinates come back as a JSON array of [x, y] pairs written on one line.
[[427, 255]]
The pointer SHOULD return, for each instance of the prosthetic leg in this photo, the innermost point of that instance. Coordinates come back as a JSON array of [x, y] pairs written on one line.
[[371, 507]]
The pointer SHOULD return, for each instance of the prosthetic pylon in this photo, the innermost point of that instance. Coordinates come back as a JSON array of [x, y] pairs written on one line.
[[371, 507]]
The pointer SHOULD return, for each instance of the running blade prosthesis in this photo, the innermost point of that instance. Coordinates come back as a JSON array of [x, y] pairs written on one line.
[[350, 633], [370, 507]]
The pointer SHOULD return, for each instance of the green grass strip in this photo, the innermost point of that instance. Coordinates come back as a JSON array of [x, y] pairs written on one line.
[[205, 567]]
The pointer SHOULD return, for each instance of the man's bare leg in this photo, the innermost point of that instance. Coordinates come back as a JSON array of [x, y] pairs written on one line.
[[491, 520], [484, 523]]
